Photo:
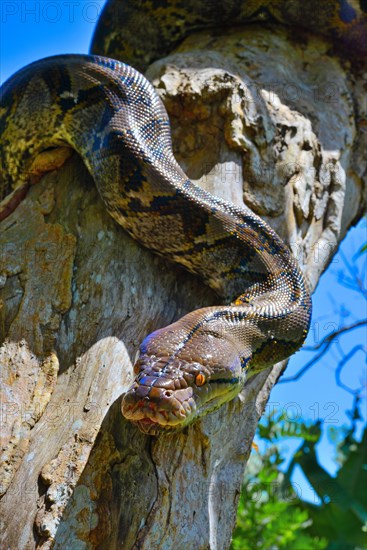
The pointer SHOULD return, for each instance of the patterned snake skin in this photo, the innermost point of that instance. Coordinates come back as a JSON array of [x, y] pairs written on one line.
[[110, 114]]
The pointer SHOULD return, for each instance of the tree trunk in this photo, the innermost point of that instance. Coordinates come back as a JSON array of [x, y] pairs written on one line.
[[256, 117]]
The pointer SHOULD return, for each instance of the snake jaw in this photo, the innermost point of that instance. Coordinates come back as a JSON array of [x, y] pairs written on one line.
[[155, 411], [170, 393], [149, 427], [164, 395]]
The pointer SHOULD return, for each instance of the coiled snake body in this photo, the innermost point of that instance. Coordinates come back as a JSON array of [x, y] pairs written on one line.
[[112, 117], [110, 114]]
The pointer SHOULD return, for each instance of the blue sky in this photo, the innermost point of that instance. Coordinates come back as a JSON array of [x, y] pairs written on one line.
[[31, 30]]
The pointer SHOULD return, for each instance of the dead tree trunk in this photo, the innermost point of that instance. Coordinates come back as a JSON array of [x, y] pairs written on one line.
[[255, 117]]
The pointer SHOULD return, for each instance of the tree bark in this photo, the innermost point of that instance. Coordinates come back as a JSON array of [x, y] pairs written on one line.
[[256, 117]]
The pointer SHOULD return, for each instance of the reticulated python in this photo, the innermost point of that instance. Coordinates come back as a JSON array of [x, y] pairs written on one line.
[[110, 114]]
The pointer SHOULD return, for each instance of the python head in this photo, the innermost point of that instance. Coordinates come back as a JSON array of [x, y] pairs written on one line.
[[170, 392]]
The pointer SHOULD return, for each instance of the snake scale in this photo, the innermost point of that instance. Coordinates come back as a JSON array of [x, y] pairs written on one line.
[[112, 117]]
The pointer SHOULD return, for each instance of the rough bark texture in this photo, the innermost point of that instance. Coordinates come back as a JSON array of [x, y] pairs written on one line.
[[256, 117]]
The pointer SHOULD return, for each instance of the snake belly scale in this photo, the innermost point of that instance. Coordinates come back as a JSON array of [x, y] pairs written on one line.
[[111, 116]]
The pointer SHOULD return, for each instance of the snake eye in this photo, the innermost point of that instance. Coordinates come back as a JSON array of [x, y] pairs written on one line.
[[200, 379], [136, 369]]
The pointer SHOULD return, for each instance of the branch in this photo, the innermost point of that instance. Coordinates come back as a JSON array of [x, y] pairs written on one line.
[[342, 364], [329, 338], [355, 282], [324, 344]]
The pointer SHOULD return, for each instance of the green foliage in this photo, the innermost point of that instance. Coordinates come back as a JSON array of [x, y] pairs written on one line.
[[362, 249], [267, 514], [272, 524], [270, 514], [342, 518]]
